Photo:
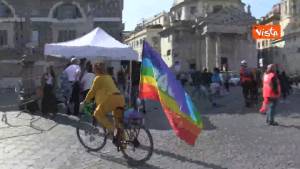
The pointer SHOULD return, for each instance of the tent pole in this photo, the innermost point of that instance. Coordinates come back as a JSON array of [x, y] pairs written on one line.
[[130, 82]]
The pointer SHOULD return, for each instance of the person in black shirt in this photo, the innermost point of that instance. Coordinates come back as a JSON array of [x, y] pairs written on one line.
[[205, 86], [135, 79], [196, 82]]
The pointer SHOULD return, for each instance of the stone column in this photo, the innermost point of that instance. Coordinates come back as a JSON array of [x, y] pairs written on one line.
[[207, 50], [235, 61], [218, 50], [198, 53]]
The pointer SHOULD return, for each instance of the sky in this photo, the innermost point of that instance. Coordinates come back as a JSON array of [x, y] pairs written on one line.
[[135, 10]]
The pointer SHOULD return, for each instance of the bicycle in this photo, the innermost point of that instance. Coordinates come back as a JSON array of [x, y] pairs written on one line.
[[133, 146]]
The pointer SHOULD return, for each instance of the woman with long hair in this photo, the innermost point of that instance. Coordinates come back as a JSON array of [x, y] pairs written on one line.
[[49, 105]]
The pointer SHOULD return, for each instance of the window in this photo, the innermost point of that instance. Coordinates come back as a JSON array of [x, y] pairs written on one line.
[[35, 12], [217, 8], [169, 38], [176, 36], [298, 50], [67, 11], [178, 15], [4, 10], [66, 35], [192, 66], [3, 37], [294, 8], [168, 52], [141, 42], [258, 45], [286, 7], [193, 10], [35, 37], [155, 40]]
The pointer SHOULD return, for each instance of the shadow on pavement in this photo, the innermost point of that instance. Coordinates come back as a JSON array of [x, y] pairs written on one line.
[[123, 162], [157, 120], [66, 120], [20, 135], [160, 152], [290, 126], [185, 159], [207, 124]]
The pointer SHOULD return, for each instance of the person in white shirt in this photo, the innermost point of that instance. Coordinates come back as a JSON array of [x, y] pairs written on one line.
[[73, 74], [73, 71], [87, 80]]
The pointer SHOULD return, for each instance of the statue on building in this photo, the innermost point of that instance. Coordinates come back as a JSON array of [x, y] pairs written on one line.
[[249, 9]]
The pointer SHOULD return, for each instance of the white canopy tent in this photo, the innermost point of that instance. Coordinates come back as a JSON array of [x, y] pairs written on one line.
[[95, 45]]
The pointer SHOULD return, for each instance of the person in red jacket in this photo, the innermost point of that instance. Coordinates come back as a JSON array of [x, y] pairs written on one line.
[[271, 93], [247, 82]]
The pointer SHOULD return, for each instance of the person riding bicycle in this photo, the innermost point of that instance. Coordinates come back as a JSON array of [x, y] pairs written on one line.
[[107, 97]]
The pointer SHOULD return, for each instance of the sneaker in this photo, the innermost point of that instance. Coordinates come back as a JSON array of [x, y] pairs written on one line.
[[115, 141], [282, 101], [273, 123]]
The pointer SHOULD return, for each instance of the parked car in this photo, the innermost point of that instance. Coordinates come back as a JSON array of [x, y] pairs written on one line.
[[234, 80], [295, 79]]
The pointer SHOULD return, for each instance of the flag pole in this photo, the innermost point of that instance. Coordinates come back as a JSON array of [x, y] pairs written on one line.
[[142, 101], [130, 82]]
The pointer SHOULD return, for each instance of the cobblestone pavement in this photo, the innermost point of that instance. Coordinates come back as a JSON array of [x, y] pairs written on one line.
[[234, 137]]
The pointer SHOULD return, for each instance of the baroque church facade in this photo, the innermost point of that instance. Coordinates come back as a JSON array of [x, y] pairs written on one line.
[[209, 34]]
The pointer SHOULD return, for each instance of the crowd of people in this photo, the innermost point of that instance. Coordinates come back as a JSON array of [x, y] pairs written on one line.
[[254, 82], [78, 77], [74, 83], [205, 83]]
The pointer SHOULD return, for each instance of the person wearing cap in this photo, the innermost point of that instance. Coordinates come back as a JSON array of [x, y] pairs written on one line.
[[247, 82], [271, 93], [73, 73]]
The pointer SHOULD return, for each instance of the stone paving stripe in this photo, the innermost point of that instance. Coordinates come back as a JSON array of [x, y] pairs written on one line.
[[13, 132]]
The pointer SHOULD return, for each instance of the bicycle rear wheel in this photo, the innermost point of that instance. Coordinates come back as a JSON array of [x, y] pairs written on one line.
[[90, 134], [138, 145]]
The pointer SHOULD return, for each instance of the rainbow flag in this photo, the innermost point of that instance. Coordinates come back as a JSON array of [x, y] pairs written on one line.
[[158, 83]]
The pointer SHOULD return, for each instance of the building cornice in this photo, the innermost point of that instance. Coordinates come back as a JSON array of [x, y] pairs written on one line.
[[53, 20], [140, 33], [287, 36]]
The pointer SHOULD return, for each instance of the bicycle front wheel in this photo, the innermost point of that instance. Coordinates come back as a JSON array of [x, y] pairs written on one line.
[[138, 145], [90, 134]]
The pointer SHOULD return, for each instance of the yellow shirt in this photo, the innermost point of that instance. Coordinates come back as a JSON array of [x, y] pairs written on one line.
[[103, 87]]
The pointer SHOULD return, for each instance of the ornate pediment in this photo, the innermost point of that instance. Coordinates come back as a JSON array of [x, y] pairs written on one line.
[[229, 16]]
